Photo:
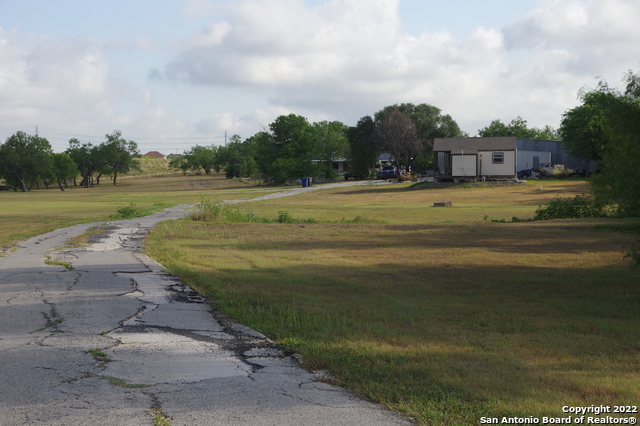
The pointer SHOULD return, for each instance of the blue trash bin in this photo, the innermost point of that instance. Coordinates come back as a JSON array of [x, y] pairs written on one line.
[[305, 182]]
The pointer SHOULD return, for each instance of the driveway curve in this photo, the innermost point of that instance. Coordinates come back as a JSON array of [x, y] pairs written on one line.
[[103, 335]]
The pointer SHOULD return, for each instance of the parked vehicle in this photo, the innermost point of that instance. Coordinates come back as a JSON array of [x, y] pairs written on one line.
[[347, 176], [388, 172]]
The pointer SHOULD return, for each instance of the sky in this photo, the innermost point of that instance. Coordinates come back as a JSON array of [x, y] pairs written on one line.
[[171, 74]]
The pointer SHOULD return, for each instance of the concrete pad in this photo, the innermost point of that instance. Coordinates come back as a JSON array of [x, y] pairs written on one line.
[[159, 357]]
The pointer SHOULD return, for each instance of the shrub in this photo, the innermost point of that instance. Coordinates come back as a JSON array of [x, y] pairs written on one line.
[[208, 210], [127, 212], [582, 206]]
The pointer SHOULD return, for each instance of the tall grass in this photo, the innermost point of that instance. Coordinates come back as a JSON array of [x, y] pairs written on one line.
[[215, 210]]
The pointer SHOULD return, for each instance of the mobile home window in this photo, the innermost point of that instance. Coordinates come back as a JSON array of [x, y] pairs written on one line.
[[498, 158]]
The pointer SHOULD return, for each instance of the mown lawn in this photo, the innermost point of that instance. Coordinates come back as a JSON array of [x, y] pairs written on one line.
[[437, 312]]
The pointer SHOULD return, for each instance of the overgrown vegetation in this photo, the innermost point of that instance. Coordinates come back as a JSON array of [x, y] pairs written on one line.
[[127, 212], [209, 210], [606, 128], [581, 206]]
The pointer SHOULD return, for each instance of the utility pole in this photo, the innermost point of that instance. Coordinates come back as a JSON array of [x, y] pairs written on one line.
[[225, 138], [36, 130]]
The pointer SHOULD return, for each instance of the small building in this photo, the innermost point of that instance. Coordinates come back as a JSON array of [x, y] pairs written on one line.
[[339, 165], [172, 156], [155, 154], [497, 157], [385, 159]]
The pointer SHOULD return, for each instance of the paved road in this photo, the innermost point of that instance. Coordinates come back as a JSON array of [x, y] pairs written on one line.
[[115, 340]]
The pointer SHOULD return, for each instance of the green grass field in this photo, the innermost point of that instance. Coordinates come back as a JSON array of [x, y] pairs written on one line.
[[24, 215], [437, 313]]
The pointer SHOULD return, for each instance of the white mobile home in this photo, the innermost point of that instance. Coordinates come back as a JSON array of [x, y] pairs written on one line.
[[495, 157]]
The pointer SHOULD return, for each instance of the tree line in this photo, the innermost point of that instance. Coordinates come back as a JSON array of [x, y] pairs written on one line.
[[291, 147], [604, 128], [27, 161]]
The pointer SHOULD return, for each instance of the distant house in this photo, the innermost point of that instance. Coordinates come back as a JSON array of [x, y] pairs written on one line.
[[384, 159], [155, 154], [497, 157], [339, 165], [172, 156]]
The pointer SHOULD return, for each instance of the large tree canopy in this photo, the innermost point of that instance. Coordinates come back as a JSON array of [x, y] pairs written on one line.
[[363, 153], [583, 129], [396, 133], [332, 143], [287, 150], [24, 159], [620, 155], [119, 154], [237, 158], [429, 123], [64, 168]]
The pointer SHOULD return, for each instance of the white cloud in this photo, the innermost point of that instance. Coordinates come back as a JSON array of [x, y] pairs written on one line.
[[339, 60], [349, 58], [68, 86]]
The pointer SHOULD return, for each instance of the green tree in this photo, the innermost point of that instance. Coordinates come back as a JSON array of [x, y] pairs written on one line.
[[332, 144], [619, 182], [518, 128], [23, 159], [237, 158], [430, 123], [363, 152], [118, 154], [87, 159], [64, 168], [203, 156], [287, 150], [583, 129], [394, 132], [179, 163]]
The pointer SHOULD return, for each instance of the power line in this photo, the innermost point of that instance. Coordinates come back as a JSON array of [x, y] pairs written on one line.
[[133, 137]]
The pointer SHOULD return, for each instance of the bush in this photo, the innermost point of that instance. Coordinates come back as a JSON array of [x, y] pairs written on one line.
[[208, 210], [127, 212], [582, 206]]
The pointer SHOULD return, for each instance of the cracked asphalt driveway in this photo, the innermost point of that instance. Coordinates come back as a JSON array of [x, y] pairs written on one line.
[[116, 341]]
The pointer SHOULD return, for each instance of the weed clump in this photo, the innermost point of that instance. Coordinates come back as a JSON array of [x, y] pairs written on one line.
[[127, 212], [208, 210], [285, 217]]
